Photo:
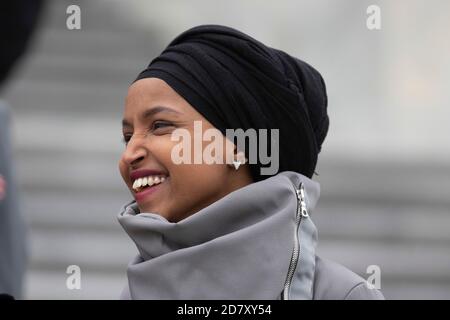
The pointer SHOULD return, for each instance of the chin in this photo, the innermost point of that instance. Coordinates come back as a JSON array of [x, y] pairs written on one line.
[[153, 209]]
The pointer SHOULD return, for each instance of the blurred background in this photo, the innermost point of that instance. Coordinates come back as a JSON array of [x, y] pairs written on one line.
[[384, 168]]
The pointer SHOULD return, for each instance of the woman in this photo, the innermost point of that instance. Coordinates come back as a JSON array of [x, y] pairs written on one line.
[[226, 229]]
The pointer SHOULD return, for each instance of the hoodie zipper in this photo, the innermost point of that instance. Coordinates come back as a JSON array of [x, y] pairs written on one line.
[[301, 212]]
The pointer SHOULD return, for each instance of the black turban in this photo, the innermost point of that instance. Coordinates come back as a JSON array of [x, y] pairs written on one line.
[[235, 81]]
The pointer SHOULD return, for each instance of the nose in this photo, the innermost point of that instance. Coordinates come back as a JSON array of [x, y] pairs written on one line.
[[135, 151]]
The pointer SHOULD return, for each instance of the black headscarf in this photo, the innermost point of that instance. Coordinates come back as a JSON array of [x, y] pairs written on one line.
[[235, 81]]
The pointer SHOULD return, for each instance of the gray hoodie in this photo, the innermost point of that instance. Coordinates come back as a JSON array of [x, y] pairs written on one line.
[[257, 242]]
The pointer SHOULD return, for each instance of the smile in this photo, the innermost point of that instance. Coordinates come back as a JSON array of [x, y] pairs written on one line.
[[142, 183]]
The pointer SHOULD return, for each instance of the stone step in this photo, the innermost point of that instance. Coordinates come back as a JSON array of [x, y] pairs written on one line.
[[94, 249], [105, 254], [67, 102], [67, 99], [388, 225], [99, 172], [51, 285], [78, 71], [78, 148], [65, 211], [399, 262], [95, 15], [382, 223], [47, 285], [108, 246], [107, 42], [416, 290]]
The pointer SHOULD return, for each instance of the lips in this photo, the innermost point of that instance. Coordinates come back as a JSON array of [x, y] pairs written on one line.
[[145, 194], [146, 181]]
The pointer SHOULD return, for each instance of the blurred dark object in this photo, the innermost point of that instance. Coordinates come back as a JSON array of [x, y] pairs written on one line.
[[18, 20], [4, 296], [13, 247]]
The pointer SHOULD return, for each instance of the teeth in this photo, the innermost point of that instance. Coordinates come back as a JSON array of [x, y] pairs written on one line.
[[147, 181]]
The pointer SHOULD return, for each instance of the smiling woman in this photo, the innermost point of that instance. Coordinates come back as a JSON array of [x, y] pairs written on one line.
[[218, 230], [157, 183]]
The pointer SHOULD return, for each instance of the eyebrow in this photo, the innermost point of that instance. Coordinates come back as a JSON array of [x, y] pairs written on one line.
[[151, 112]]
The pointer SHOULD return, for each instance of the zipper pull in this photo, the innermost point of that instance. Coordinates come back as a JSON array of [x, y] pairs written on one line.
[[301, 198]]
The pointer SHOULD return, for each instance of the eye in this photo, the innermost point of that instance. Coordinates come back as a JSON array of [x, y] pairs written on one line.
[[157, 126], [126, 138], [160, 125]]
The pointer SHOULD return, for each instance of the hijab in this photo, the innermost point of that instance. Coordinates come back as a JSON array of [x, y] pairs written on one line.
[[237, 82]]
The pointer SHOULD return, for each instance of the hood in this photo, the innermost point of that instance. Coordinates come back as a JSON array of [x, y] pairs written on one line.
[[240, 247]]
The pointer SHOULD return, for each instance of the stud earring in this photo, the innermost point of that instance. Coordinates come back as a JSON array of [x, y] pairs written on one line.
[[240, 159]]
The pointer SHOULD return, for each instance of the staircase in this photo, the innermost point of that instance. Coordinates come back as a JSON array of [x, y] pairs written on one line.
[[67, 99]]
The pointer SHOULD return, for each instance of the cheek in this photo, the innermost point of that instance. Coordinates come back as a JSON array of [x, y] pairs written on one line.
[[197, 182], [192, 188], [191, 185], [160, 151], [185, 176], [123, 169]]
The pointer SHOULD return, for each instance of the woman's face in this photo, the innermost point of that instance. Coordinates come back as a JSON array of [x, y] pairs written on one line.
[[153, 110]]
